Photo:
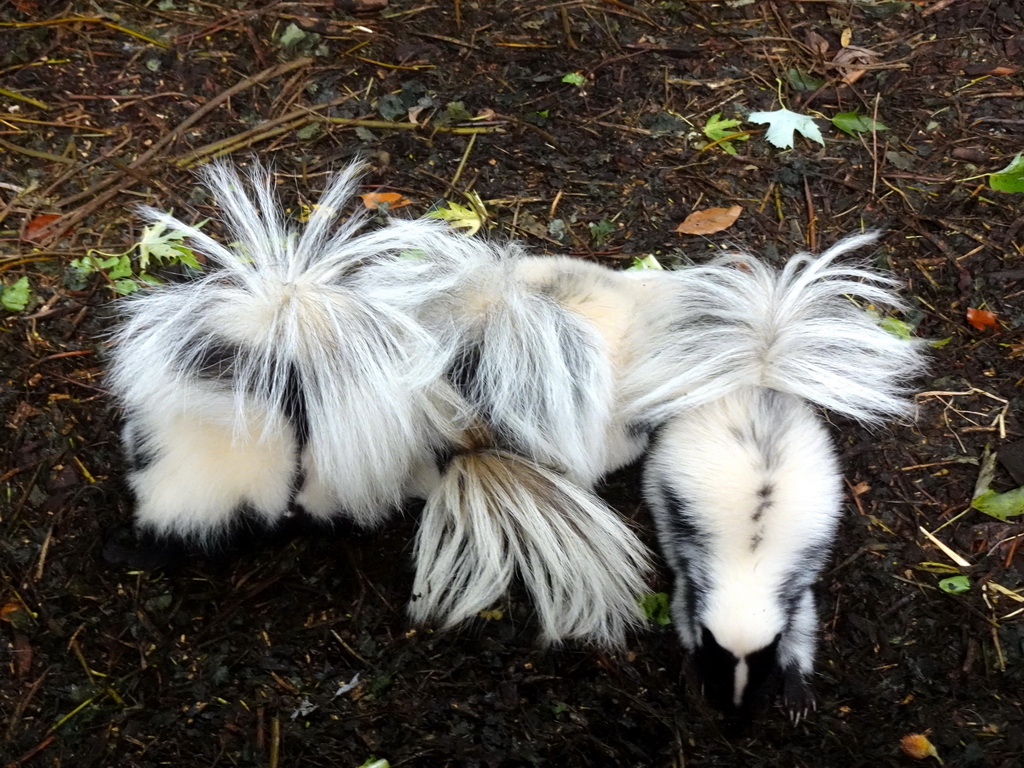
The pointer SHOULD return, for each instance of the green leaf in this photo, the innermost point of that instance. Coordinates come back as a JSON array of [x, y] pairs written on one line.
[[455, 112], [1011, 178], [164, 246], [122, 267], [125, 286], [647, 262], [460, 216], [291, 36], [1001, 506], [897, 327], [940, 343], [854, 123], [373, 762], [717, 129], [15, 297], [803, 82], [307, 132], [955, 585], [655, 607], [187, 257], [574, 78], [601, 231]]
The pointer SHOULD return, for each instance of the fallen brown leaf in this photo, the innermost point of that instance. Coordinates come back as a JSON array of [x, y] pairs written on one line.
[[982, 319], [374, 200], [37, 227], [709, 221], [977, 70], [22, 655]]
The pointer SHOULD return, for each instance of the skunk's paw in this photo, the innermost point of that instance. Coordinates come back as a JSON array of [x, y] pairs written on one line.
[[797, 696]]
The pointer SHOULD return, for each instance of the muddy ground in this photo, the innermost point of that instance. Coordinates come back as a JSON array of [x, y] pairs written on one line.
[[239, 662]]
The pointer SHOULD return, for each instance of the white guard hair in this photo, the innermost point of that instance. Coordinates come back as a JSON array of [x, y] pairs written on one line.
[[287, 348], [738, 322], [495, 515], [746, 495], [530, 365], [533, 345]]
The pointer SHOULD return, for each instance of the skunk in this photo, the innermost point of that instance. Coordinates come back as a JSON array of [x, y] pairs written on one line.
[[534, 347], [282, 378], [742, 478], [339, 372]]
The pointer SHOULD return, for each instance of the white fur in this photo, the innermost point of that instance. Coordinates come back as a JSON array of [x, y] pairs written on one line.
[[534, 345], [281, 311], [496, 515], [738, 322], [746, 495]]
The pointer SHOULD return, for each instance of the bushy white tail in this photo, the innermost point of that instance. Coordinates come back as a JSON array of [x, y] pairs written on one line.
[[288, 343], [496, 515], [523, 360], [739, 322]]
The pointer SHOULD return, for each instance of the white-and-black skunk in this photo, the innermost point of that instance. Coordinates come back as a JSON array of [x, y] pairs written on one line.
[[742, 478], [329, 369], [283, 376], [535, 345]]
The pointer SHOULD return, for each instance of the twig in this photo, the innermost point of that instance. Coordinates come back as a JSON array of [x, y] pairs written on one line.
[[274, 759], [65, 223], [38, 154], [812, 225], [941, 5], [946, 550], [874, 147], [462, 162]]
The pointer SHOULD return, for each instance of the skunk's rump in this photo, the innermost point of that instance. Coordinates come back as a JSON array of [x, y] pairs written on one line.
[[745, 492], [286, 373]]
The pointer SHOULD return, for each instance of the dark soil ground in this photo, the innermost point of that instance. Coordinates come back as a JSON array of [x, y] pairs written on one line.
[[239, 661]]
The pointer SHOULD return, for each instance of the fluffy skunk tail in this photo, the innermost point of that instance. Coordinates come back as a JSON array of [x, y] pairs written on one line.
[[495, 515], [285, 375], [526, 360], [738, 322]]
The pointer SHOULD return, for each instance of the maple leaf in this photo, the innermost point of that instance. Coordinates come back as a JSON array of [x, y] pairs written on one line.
[[723, 132], [781, 125], [166, 246], [462, 217]]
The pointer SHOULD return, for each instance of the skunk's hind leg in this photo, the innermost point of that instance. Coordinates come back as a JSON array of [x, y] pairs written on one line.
[[193, 473], [796, 658]]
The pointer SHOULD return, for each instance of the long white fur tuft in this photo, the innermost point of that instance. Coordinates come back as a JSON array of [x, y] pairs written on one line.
[[286, 363], [522, 355], [495, 515], [738, 322]]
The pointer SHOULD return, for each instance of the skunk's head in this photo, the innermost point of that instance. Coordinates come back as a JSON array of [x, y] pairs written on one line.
[[737, 678]]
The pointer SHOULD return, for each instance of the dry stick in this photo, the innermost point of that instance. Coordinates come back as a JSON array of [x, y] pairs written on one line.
[[874, 147], [188, 122], [254, 135], [941, 5], [70, 219], [274, 759], [812, 226], [462, 163], [388, 125], [239, 141], [35, 153]]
